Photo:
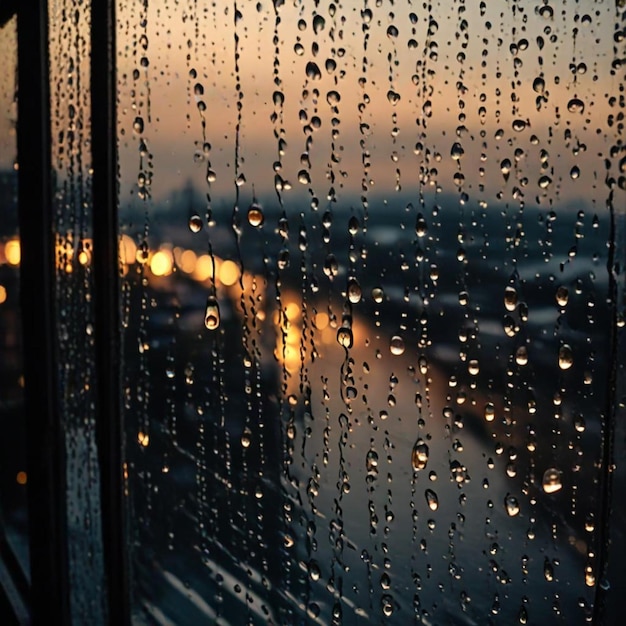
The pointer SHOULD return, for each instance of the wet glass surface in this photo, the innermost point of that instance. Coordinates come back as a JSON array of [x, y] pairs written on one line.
[[13, 476], [366, 308], [70, 123]]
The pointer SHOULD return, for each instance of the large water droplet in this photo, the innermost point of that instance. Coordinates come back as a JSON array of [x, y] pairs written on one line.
[[419, 455], [354, 291], [552, 480], [212, 314], [510, 298], [566, 357], [396, 345], [511, 505], [431, 499], [344, 337], [575, 105], [255, 215], [195, 223]]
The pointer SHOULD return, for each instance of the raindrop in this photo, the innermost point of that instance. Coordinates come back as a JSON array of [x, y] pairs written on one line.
[[431, 499], [539, 84], [392, 31], [396, 345], [511, 505], [552, 480], [419, 458], [313, 71], [344, 337], [562, 296], [575, 105], [510, 298], [318, 24], [457, 151], [195, 223], [138, 125], [490, 412], [354, 291], [393, 97], [519, 125], [521, 356], [378, 294], [566, 357], [212, 314], [544, 181], [255, 215], [333, 98], [246, 436], [473, 367]]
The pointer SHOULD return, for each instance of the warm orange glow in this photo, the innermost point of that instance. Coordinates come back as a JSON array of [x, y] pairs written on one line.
[[293, 311], [3, 294], [188, 261], [204, 267], [162, 263], [12, 252], [229, 273], [127, 250], [321, 320], [143, 439], [21, 478], [83, 257]]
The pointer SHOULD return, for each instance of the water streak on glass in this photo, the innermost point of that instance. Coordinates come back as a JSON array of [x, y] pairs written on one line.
[[69, 50], [364, 253]]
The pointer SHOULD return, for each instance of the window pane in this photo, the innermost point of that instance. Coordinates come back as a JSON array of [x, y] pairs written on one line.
[[13, 508], [69, 51], [364, 257]]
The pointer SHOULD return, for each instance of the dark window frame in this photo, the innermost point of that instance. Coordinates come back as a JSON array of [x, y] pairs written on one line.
[[46, 599]]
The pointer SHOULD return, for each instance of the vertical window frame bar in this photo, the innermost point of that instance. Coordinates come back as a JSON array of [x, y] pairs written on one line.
[[47, 493], [109, 430]]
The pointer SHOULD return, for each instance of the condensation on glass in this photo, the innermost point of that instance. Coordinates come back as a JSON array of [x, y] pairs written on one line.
[[70, 102], [366, 257], [13, 476]]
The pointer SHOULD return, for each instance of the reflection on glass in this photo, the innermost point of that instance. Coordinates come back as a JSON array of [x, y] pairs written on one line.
[[13, 477], [363, 254]]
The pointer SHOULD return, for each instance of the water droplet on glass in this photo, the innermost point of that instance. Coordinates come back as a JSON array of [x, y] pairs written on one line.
[[255, 215], [246, 437], [396, 345], [419, 455], [552, 480], [354, 291], [575, 105], [562, 296], [539, 84], [510, 298], [212, 314], [490, 412], [313, 70], [138, 125], [544, 181], [521, 356], [393, 97], [457, 151], [519, 125], [195, 223], [511, 505], [344, 337], [431, 499], [377, 295], [566, 357]]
